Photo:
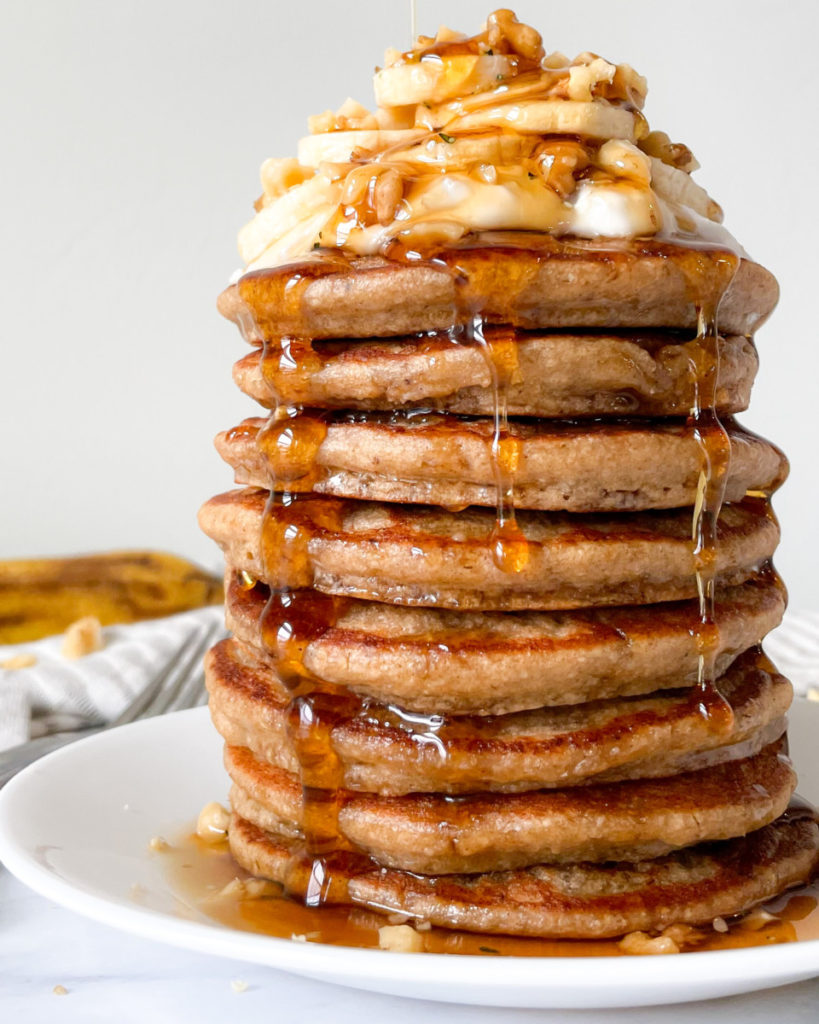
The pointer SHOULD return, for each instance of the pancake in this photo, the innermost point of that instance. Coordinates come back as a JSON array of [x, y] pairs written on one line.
[[434, 661], [549, 283], [691, 886], [384, 750], [422, 556], [557, 375], [431, 834], [445, 460]]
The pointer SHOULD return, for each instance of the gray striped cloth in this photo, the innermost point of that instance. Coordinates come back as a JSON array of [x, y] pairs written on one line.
[[55, 694]]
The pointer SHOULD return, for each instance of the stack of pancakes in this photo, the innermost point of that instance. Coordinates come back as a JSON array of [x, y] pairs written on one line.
[[475, 675]]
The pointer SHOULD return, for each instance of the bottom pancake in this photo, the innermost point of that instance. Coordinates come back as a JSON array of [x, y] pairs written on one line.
[[626, 821], [578, 901]]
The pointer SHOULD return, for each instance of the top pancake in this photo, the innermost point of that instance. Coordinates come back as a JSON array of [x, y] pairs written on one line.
[[550, 283]]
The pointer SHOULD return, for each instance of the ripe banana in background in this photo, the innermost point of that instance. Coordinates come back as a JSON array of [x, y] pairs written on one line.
[[42, 596]]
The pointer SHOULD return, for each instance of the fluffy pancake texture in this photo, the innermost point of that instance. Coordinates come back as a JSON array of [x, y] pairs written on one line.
[[443, 460], [420, 555], [557, 375], [381, 750], [431, 834], [429, 660]]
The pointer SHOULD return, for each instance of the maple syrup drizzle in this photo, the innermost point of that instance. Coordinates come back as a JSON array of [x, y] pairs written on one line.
[[509, 546], [715, 447], [295, 613], [510, 549]]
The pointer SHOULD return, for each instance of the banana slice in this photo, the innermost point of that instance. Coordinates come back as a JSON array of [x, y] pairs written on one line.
[[594, 120], [297, 241], [675, 186], [337, 147], [292, 208], [423, 148], [437, 79], [463, 151]]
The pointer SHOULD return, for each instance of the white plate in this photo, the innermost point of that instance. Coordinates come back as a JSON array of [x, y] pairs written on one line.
[[75, 825]]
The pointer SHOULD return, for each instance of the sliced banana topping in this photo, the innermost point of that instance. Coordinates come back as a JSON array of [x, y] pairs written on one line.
[[592, 120], [435, 79], [341, 147], [480, 133], [678, 187], [416, 146]]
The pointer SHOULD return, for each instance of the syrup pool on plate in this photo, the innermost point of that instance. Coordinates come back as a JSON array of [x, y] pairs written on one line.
[[205, 878]]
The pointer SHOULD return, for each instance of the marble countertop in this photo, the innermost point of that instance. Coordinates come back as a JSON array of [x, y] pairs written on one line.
[[110, 976]]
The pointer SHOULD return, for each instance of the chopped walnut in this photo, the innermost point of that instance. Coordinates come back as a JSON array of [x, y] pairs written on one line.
[[375, 190], [60, 990], [387, 194], [248, 888], [82, 637], [212, 823], [558, 161], [621, 159], [503, 27], [682, 934], [280, 174], [675, 154], [584, 77], [400, 938], [350, 116], [627, 84], [318, 124], [642, 944], [555, 61]]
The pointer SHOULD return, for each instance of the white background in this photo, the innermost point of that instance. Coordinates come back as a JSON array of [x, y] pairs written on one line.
[[130, 138]]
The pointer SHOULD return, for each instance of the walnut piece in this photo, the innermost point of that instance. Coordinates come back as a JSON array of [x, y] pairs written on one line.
[[212, 823], [400, 938], [18, 661], [82, 637]]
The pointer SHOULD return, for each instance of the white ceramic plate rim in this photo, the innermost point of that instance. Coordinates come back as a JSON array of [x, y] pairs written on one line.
[[509, 981]]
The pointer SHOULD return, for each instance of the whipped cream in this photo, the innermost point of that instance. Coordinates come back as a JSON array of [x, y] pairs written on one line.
[[480, 134]]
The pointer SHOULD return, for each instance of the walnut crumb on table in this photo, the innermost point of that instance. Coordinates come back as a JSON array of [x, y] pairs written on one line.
[[60, 990], [18, 661], [82, 637]]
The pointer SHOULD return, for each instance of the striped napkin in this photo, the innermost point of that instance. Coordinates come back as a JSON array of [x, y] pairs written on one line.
[[55, 694], [794, 649]]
